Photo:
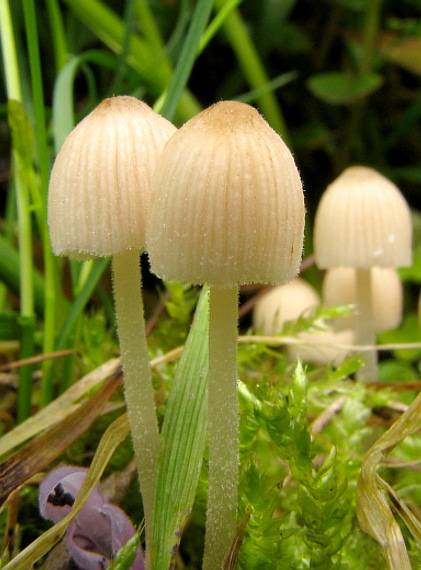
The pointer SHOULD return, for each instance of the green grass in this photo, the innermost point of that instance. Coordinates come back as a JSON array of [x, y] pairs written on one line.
[[340, 83]]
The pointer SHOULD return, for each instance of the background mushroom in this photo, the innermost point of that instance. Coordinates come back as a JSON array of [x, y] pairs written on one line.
[[287, 303], [283, 303], [339, 288], [227, 209], [98, 205], [363, 221]]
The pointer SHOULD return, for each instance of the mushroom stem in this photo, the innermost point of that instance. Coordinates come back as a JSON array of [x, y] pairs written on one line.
[[223, 425], [364, 327], [139, 394]]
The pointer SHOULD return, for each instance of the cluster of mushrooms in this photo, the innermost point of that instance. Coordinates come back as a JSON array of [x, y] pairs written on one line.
[[362, 234], [219, 201]]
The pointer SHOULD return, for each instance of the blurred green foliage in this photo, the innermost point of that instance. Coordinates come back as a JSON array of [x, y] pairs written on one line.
[[340, 81]]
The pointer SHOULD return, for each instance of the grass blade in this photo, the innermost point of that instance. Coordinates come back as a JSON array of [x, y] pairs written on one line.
[[184, 434], [187, 58]]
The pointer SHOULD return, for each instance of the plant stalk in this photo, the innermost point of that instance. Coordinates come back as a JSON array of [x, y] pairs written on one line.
[[365, 334], [139, 393], [223, 425]]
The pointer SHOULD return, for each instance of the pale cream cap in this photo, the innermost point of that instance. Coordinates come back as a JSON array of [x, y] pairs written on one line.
[[362, 221], [339, 288], [100, 183], [283, 303], [228, 205], [322, 347]]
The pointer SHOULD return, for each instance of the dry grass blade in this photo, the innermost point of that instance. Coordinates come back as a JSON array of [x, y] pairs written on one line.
[[373, 511], [41, 451], [230, 560], [63, 405], [408, 516], [111, 439]]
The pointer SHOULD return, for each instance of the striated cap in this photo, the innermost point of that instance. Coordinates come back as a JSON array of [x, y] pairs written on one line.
[[100, 183], [339, 288], [283, 303], [362, 221], [228, 205]]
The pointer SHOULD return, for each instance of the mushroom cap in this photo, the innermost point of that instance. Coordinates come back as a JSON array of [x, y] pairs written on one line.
[[362, 221], [339, 288], [321, 347], [228, 204], [100, 182], [283, 303]]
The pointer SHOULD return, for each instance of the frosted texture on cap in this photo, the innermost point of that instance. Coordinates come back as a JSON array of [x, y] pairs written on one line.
[[362, 221], [100, 183], [228, 204]]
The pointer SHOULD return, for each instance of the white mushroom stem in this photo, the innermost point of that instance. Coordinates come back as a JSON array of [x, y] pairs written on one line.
[[139, 393], [223, 425], [364, 327]]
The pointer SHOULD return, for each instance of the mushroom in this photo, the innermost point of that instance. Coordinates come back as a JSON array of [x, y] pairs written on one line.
[[287, 303], [97, 206], [363, 221], [322, 347], [227, 209], [283, 303], [339, 288]]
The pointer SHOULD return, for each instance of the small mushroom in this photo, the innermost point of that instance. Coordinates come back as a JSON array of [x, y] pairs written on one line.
[[227, 209], [287, 303], [363, 221], [283, 303], [98, 206], [339, 288], [322, 347]]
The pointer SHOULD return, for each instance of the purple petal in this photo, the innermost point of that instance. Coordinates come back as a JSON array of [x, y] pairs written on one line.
[[98, 531], [122, 530], [96, 534], [59, 489], [88, 539]]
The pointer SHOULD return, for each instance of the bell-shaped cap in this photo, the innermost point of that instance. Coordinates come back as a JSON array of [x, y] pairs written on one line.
[[283, 303], [322, 347], [228, 205], [100, 183], [339, 288], [362, 221]]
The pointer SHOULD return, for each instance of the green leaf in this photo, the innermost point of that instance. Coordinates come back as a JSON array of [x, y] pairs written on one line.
[[183, 442], [126, 555], [340, 89], [9, 327], [187, 58], [63, 115], [9, 274], [99, 265], [23, 138], [406, 54]]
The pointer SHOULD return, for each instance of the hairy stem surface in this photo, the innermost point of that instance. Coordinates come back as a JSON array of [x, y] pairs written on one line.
[[223, 425], [364, 328], [139, 393]]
